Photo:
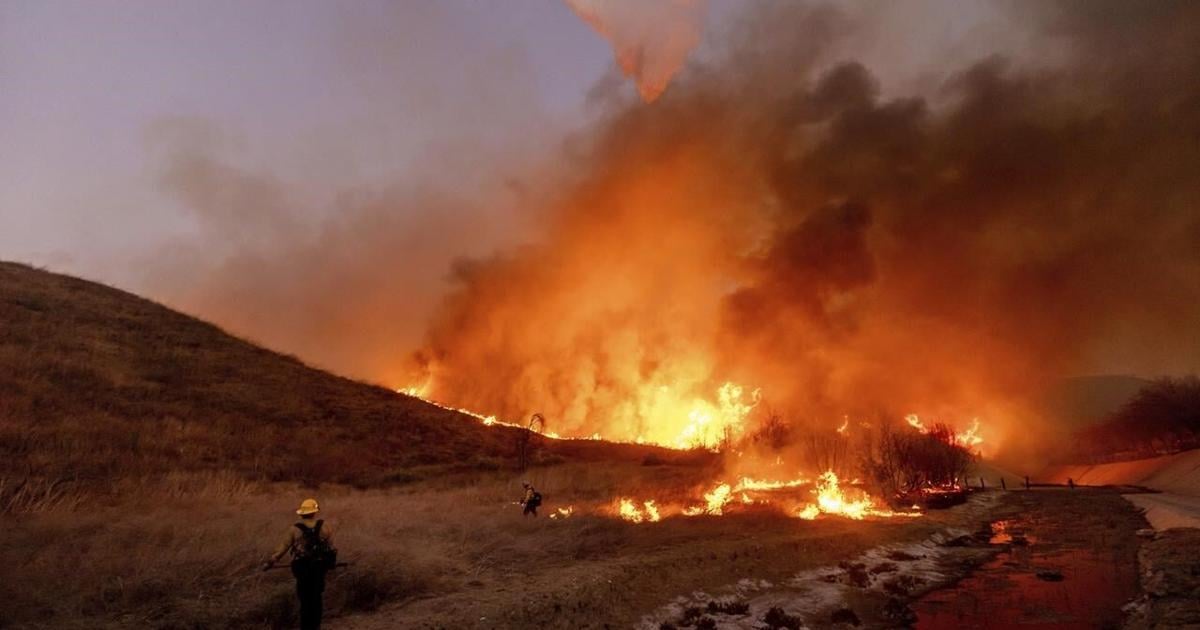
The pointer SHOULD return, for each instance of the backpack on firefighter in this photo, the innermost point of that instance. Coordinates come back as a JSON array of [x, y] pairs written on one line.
[[314, 555]]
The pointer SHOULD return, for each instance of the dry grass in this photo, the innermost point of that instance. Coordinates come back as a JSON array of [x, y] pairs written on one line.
[[149, 461], [182, 552], [98, 385]]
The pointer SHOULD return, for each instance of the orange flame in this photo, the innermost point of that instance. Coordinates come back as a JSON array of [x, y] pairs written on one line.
[[970, 437], [832, 500], [628, 510], [714, 500], [967, 439], [747, 483], [700, 424]]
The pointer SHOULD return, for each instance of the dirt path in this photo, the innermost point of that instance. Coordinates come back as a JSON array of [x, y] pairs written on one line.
[[1166, 511]]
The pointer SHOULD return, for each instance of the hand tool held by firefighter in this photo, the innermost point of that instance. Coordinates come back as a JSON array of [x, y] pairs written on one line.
[[274, 567]]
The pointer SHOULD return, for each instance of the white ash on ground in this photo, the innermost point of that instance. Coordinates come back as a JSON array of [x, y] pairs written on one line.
[[872, 586]]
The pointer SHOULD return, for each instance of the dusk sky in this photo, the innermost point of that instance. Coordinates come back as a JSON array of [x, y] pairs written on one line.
[[328, 134], [82, 85], [325, 95]]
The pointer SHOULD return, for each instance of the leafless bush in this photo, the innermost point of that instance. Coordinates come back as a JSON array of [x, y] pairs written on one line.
[[772, 433], [825, 450], [898, 459], [1163, 417]]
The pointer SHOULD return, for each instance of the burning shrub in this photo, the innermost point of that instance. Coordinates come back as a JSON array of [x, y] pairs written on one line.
[[772, 433], [899, 461], [825, 450]]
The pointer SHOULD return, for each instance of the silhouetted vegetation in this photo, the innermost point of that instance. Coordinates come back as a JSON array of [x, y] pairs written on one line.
[[899, 460], [1161, 418], [728, 607]]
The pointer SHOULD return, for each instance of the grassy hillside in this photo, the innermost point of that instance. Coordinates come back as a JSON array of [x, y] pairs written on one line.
[[98, 386]]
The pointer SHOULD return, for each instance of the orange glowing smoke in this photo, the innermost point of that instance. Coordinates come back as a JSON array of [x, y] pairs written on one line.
[[969, 439], [651, 40]]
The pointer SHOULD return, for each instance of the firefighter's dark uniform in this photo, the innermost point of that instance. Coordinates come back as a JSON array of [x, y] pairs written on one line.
[[310, 585], [530, 501]]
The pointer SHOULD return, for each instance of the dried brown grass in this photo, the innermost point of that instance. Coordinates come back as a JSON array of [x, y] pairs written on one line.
[[182, 551], [149, 461], [98, 386]]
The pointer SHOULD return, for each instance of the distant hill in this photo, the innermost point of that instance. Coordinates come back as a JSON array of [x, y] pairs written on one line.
[[1081, 401], [98, 385]]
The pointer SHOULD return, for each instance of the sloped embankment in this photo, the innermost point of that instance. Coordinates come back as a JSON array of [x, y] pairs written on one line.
[[1178, 473]]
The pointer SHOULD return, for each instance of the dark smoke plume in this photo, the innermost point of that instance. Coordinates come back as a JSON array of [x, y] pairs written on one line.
[[775, 221]]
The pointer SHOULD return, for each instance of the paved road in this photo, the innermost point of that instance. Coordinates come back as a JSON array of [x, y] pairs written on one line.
[[1165, 511]]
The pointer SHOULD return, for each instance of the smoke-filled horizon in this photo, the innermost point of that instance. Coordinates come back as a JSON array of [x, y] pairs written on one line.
[[773, 221], [824, 202]]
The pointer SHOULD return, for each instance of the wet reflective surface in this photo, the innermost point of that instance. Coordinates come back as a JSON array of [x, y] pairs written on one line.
[[1059, 567]]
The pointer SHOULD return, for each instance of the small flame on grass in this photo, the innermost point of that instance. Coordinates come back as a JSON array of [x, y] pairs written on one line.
[[832, 500], [715, 501], [629, 510]]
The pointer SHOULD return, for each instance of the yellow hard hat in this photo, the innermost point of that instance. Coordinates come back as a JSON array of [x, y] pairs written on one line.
[[308, 506]]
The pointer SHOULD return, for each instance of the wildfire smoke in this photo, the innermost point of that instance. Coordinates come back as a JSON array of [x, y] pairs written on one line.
[[651, 40], [774, 220]]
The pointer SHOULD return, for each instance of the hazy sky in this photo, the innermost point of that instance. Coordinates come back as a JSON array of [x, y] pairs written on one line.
[[306, 112], [83, 85]]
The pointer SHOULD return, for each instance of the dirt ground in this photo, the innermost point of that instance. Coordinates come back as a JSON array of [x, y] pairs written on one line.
[[1170, 562]]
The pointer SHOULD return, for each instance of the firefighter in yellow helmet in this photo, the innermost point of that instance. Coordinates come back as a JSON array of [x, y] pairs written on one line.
[[310, 543], [531, 499]]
